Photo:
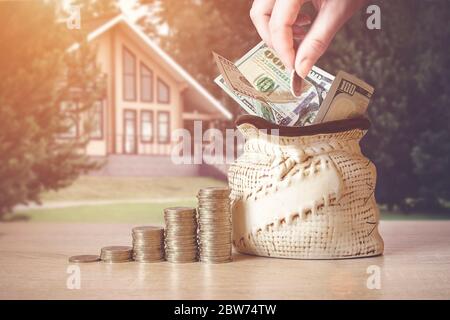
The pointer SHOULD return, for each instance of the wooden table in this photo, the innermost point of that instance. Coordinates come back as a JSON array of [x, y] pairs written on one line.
[[34, 265]]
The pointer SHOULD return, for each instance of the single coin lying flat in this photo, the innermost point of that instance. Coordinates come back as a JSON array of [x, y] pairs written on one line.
[[85, 258]]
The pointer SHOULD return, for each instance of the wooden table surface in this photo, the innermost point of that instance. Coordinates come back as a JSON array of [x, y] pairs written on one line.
[[34, 265]]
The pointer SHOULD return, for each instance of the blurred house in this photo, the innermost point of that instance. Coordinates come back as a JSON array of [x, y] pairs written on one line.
[[148, 96]]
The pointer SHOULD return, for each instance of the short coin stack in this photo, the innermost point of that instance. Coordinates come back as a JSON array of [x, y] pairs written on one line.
[[148, 244], [114, 254], [180, 234], [214, 219]]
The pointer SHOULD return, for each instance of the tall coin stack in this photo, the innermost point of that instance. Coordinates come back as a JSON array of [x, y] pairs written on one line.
[[180, 234], [114, 254], [214, 220], [148, 244]]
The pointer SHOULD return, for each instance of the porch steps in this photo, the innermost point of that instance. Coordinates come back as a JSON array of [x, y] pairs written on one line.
[[120, 165]]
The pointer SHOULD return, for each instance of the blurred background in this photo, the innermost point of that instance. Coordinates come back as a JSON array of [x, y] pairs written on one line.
[[85, 113]]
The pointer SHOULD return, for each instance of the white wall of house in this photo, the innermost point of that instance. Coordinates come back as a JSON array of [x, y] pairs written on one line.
[[110, 48], [120, 113], [99, 146], [174, 107]]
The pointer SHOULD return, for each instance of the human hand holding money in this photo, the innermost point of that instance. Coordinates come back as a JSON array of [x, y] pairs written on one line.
[[279, 23], [261, 84]]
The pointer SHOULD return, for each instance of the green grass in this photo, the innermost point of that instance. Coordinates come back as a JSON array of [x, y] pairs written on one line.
[[146, 213], [160, 192], [139, 213], [414, 216], [152, 195], [117, 188]]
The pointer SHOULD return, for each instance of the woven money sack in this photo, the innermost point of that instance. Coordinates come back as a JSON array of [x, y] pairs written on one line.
[[307, 193]]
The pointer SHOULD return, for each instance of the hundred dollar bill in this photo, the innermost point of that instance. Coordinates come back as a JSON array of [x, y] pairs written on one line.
[[261, 85], [347, 98], [265, 88]]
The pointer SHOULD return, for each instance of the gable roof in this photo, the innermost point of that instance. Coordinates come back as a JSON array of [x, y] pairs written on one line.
[[108, 24]]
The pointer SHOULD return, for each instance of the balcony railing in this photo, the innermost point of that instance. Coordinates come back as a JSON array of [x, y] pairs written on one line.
[[135, 145]]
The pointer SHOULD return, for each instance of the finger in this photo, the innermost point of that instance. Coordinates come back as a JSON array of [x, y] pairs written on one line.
[[298, 29], [298, 33], [328, 21], [302, 20], [296, 84], [260, 15], [284, 15]]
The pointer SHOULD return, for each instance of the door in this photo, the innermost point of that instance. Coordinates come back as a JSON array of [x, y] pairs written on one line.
[[130, 131]]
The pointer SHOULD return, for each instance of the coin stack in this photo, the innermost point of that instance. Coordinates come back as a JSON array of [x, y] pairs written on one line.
[[214, 220], [148, 244], [116, 254], [180, 234]]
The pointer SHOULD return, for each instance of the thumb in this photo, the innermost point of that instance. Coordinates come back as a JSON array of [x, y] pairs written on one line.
[[318, 38]]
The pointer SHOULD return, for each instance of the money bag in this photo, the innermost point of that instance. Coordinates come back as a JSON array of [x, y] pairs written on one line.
[[304, 192]]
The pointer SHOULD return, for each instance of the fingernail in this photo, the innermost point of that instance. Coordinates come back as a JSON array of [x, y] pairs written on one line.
[[303, 23], [296, 84], [303, 69]]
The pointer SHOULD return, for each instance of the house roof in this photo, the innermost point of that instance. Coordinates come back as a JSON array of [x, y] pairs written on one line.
[[104, 25], [91, 24]]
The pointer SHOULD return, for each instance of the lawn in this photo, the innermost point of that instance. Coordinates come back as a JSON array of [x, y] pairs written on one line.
[[136, 200], [116, 199], [113, 188], [137, 213]]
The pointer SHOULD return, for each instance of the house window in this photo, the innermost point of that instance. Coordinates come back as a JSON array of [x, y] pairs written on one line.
[[129, 75], [129, 127], [163, 92], [163, 127], [146, 126], [97, 121], [70, 119], [146, 84]]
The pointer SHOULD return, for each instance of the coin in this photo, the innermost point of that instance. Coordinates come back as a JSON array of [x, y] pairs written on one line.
[[85, 258], [147, 230], [181, 234], [215, 260], [116, 249], [115, 254], [214, 190], [148, 243], [214, 225]]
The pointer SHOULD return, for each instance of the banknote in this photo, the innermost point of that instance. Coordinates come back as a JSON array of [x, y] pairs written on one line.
[[261, 85], [348, 97], [266, 89]]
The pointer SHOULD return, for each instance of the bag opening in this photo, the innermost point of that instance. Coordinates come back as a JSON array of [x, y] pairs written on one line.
[[320, 128]]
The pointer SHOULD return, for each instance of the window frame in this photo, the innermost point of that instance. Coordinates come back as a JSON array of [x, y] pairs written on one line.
[[152, 121], [124, 135], [158, 82], [75, 118], [168, 127], [102, 114], [142, 66], [125, 74]]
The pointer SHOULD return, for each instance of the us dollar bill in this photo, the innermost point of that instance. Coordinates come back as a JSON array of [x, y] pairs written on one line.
[[262, 86], [348, 97]]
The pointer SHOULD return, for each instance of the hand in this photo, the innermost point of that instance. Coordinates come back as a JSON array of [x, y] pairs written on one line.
[[278, 22]]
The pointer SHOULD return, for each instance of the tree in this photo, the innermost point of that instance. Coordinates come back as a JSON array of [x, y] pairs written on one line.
[[406, 61], [196, 28], [91, 9], [37, 76]]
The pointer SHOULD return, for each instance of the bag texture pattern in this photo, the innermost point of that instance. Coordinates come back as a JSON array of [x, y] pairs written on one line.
[[304, 193]]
